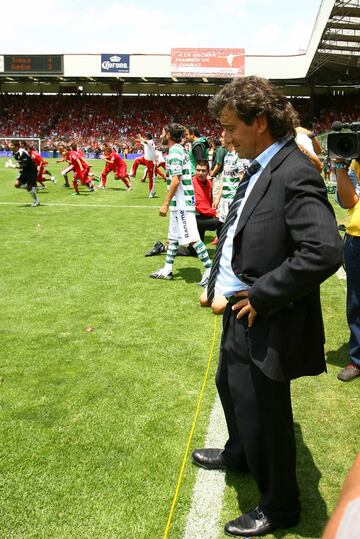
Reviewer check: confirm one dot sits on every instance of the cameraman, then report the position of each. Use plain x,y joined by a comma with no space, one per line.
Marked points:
348,196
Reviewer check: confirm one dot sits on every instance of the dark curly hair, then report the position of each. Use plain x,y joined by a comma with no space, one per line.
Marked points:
251,97
176,131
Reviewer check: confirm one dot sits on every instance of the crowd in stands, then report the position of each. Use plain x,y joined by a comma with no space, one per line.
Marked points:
336,108
93,121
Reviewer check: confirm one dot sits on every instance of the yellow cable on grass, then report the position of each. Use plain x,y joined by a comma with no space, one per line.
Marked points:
166,534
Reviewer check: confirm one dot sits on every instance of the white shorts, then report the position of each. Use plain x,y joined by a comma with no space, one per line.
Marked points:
224,208
183,227
216,185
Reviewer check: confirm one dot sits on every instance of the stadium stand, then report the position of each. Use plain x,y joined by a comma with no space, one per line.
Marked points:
92,121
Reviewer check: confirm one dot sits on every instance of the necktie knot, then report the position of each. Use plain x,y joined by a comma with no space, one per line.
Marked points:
253,168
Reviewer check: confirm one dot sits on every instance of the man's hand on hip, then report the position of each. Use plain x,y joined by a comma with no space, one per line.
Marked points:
244,307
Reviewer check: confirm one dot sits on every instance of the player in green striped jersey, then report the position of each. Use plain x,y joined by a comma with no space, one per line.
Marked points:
233,171
180,199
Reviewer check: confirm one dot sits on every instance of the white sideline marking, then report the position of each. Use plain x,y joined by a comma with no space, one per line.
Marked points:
79,205
341,274
204,515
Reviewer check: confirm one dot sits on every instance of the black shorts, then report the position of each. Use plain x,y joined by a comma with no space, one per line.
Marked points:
28,177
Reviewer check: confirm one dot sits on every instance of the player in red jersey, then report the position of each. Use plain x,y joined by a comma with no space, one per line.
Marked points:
66,170
41,167
115,164
80,168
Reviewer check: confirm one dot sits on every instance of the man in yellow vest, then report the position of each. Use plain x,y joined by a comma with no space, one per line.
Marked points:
348,196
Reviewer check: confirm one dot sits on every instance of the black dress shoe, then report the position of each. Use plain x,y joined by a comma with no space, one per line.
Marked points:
250,524
255,523
211,459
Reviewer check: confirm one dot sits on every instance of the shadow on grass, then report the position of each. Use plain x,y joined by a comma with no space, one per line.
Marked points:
189,275
313,515
339,357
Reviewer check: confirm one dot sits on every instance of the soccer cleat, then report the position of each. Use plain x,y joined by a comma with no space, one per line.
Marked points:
35,203
130,188
131,175
53,179
204,278
152,194
160,274
75,194
158,248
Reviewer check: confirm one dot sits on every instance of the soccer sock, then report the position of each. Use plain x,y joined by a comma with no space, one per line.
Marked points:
75,185
202,253
33,194
170,255
161,174
103,180
151,181
134,168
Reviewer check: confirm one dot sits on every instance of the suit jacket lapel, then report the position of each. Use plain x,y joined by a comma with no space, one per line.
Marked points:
262,183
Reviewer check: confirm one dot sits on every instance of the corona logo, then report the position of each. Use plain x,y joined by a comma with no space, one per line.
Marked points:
115,63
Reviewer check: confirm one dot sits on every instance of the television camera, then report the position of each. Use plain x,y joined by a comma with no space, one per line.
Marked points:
344,144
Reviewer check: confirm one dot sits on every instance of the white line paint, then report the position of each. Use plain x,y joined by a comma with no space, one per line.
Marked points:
340,274
204,515
80,205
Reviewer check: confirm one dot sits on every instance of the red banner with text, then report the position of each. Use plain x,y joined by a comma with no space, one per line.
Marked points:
221,63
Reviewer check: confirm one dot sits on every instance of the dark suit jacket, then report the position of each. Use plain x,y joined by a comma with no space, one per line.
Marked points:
285,245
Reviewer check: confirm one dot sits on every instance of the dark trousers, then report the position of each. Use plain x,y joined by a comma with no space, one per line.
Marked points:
205,223
352,266
260,423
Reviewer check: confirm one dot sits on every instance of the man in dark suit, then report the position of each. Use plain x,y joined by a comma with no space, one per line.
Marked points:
274,252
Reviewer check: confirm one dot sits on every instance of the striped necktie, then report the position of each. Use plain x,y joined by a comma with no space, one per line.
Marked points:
230,218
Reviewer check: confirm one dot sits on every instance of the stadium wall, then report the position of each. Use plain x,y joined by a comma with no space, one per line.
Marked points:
159,65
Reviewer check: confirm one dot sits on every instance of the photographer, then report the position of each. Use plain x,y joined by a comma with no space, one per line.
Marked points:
348,197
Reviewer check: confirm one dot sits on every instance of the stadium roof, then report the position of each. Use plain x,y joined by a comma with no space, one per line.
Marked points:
337,58
332,60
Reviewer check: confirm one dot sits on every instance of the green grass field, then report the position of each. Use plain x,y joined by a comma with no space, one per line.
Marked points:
94,424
